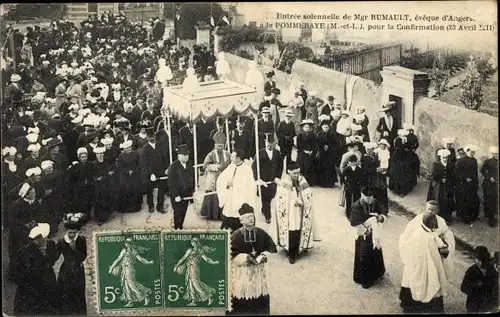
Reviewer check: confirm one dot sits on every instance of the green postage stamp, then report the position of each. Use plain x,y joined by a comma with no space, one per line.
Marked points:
147,270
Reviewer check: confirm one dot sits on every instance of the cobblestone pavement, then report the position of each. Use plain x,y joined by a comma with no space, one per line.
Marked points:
318,283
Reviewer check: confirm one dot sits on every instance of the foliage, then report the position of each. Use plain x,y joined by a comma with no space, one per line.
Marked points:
440,75
28,11
291,52
484,65
245,54
192,13
412,58
233,38
471,86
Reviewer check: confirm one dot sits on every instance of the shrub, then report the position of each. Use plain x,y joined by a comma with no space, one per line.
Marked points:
471,87
440,75
484,66
245,54
234,37
291,52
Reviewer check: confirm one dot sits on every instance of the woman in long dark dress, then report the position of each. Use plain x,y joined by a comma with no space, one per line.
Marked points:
325,142
400,181
352,178
442,185
128,169
306,151
411,145
82,183
71,280
104,189
36,293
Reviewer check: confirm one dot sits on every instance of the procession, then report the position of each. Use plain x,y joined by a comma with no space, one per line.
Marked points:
110,118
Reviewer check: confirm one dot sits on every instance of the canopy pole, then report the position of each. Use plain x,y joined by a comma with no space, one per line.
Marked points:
257,157
169,138
227,136
195,139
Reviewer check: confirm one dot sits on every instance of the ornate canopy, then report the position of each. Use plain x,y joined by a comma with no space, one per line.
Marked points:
211,99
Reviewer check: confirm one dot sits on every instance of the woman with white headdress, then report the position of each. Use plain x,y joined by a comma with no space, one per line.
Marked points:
53,185
33,272
442,185
10,178
222,66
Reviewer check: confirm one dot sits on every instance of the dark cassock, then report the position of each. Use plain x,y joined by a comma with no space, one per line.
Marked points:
367,216
186,137
215,162
325,163
180,185
306,148
71,279
297,226
242,139
128,169
467,186
411,145
352,178
400,168
271,167
489,170
36,292
154,161
53,184
372,176
442,185
265,125
286,133
386,126
204,141
250,247
81,178
104,193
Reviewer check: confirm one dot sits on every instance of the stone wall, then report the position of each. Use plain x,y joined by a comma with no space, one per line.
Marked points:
435,120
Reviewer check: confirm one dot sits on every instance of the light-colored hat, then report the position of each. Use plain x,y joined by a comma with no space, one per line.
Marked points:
383,141
99,150
33,171
47,164
288,113
402,132
32,137
41,229
117,86
369,145
35,130
307,121
77,119
43,55
313,93
219,138
444,153
345,112
10,150
45,62
81,150
73,107
265,110
126,144
408,126
388,106
107,141
356,127
34,147
15,78
493,149
24,190
324,117
115,65
45,141
470,147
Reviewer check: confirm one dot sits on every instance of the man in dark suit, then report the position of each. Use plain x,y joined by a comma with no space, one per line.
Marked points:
271,168
241,139
205,144
186,137
386,126
285,134
328,107
180,185
264,125
154,162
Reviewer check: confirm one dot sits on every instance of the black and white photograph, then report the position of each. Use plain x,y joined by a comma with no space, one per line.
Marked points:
350,149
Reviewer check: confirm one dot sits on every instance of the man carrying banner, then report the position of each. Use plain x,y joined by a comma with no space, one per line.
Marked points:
296,226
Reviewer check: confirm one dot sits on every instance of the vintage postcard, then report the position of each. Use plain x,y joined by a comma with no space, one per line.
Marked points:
249,158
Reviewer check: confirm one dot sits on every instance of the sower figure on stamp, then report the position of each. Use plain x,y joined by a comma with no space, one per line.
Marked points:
271,168
124,266
296,226
250,247
188,265
154,163
180,184
235,187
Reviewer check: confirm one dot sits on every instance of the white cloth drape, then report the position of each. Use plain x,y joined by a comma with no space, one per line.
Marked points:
243,189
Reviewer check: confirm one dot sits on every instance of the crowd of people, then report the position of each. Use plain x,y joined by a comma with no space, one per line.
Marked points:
85,134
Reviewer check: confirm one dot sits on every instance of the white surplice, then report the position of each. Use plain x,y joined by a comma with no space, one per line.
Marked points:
243,189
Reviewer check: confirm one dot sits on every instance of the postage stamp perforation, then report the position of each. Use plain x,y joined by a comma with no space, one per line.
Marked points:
93,274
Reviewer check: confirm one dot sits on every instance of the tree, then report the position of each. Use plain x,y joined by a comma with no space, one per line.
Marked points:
484,66
192,13
471,87
440,75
